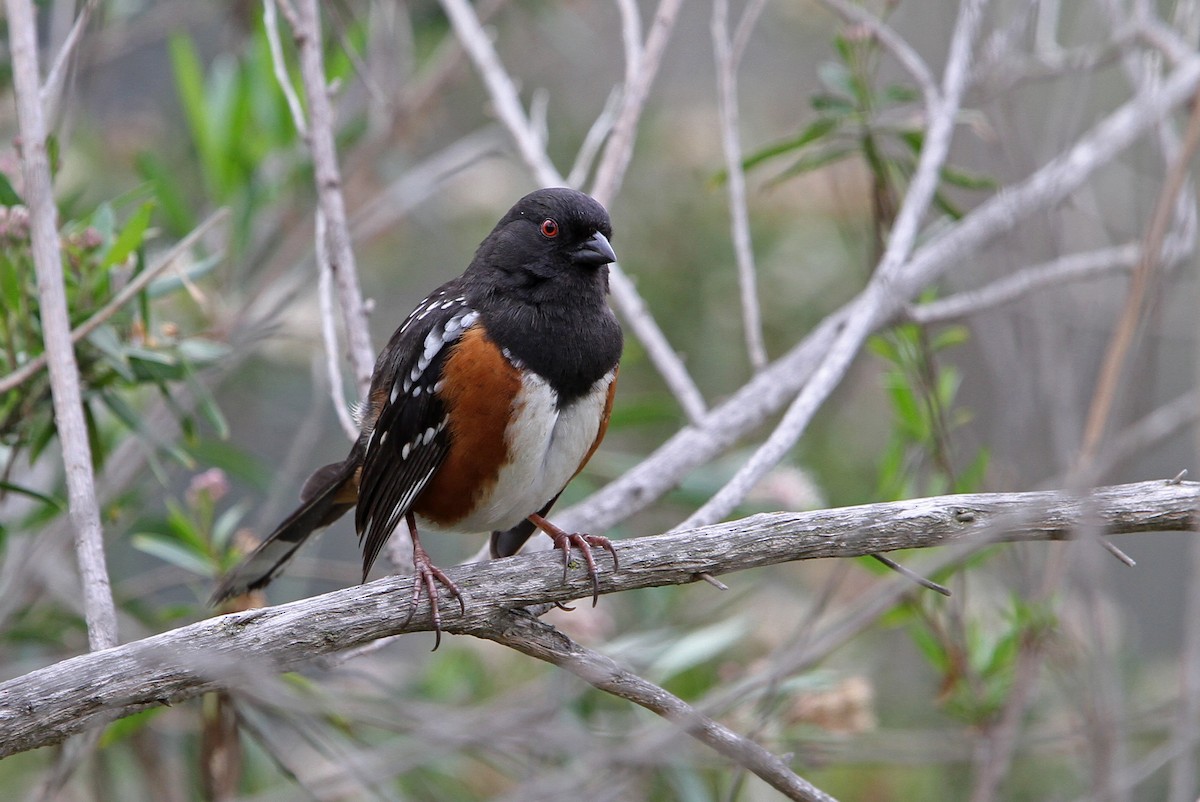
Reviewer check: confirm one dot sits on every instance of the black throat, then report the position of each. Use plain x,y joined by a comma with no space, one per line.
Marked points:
572,342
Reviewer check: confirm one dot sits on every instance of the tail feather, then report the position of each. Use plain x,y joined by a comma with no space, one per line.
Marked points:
323,501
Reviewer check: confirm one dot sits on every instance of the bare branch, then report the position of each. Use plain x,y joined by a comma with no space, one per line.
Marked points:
52,703
56,329
306,28
329,330
727,108
593,140
505,99
765,394
126,294
1144,276
51,93
879,294
1096,264
520,631
279,67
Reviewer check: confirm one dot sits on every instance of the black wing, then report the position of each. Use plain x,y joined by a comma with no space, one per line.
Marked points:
404,426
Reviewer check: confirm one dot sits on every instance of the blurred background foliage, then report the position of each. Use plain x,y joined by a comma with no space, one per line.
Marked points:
207,404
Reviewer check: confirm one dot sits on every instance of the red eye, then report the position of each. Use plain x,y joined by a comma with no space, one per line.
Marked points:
549,228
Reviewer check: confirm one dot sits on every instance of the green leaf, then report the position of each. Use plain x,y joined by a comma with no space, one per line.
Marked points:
173,281
814,161
883,348
950,337
10,284
697,647
173,552
231,459
50,501
8,195
105,340
131,237
813,132
837,78
122,728
897,93
206,403
226,524
832,105
200,351
168,192
151,365
930,647
189,84
967,180
104,220
906,408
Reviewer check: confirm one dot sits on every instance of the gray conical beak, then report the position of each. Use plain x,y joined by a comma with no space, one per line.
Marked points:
596,251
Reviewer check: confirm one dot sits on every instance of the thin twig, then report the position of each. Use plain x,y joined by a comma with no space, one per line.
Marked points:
279,67
329,330
593,140
619,149
506,101
1089,265
306,29
735,182
1144,276
126,294
51,93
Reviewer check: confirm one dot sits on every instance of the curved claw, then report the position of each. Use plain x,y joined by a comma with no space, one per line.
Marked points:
426,574
564,540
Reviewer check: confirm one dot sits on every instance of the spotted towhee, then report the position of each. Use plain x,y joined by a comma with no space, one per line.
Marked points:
489,398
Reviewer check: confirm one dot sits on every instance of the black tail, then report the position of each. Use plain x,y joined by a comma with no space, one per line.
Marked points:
322,503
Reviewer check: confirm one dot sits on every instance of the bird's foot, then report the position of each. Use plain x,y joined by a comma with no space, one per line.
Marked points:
565,540
426,575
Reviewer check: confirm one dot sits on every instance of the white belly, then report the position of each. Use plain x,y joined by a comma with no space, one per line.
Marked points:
547,444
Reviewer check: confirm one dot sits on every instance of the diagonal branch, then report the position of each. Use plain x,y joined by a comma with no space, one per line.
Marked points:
1144,277
520,631
52,703
52,90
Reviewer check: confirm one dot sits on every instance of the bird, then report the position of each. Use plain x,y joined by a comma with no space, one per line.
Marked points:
489,398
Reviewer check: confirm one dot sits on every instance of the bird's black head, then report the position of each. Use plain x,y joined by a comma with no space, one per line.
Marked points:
540,280
552,240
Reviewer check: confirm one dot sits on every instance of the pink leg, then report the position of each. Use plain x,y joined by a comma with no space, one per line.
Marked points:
564,540
427,573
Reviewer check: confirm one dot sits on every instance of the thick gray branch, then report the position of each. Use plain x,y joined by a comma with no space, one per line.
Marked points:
52,703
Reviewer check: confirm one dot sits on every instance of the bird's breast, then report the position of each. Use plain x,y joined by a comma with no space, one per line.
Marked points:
546,443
